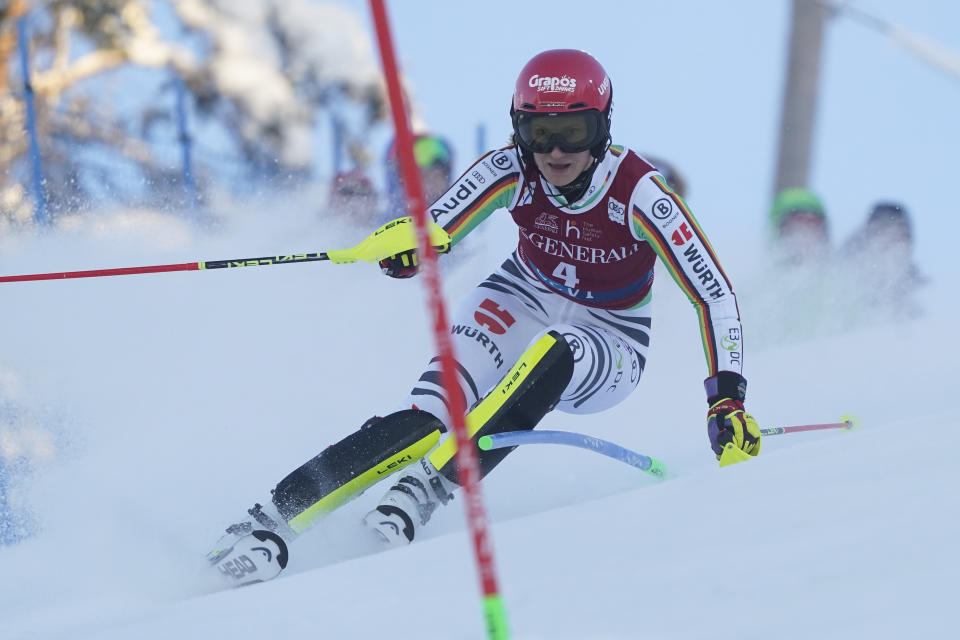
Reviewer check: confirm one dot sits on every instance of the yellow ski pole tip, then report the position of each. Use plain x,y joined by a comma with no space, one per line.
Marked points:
853,422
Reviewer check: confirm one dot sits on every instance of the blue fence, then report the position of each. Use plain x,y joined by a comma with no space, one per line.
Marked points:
41,213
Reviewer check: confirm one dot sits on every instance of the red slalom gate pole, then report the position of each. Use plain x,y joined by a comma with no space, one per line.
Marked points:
466,456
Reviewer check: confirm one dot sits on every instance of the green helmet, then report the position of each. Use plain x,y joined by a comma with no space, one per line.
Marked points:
794,200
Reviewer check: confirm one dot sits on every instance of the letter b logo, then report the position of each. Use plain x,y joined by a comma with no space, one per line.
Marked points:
662,209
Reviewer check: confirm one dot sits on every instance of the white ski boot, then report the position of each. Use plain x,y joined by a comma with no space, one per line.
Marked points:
409,503
254,550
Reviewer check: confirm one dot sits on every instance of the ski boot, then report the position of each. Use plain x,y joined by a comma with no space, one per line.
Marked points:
254,550
409,503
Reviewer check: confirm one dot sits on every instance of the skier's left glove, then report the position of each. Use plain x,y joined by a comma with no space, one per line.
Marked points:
734,433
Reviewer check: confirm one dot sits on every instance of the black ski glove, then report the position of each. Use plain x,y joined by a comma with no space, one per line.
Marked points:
401,265
406,264
727,421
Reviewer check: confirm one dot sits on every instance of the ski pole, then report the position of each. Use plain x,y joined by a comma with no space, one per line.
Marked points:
161,268
847,423
392,238
513,438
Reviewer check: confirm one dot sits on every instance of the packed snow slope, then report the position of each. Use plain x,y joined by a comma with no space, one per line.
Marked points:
155,409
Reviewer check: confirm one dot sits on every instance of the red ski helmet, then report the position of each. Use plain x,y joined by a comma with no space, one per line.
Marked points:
570,85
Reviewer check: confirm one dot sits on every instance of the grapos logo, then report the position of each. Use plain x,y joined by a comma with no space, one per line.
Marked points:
552,83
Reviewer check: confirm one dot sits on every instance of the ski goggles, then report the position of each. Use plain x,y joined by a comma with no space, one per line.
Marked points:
570,132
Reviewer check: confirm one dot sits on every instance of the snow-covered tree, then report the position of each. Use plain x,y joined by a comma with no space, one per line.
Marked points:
260,73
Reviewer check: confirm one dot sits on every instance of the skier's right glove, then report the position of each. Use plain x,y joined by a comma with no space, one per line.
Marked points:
734,433
401,265
398,236
406,264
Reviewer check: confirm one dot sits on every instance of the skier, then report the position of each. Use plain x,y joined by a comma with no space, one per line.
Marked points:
564,323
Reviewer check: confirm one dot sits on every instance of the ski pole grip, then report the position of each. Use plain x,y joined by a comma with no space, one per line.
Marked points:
396,236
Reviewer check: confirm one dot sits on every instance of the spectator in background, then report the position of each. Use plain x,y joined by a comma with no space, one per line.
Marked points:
881,251
434,156
799,225
797,293
353,196
673,177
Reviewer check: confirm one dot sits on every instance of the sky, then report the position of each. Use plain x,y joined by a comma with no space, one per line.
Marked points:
158,408
699,84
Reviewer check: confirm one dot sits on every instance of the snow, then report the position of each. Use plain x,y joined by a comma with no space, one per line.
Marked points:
174,401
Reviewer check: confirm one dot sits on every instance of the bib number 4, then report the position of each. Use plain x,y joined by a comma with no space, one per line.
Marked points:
567,273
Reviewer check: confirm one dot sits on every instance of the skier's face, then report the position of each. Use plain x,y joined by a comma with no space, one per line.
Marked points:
559,168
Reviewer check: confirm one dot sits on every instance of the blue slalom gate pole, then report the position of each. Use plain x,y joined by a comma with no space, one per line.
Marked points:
513,438
183,135
6,516
10,526
481,139
40,214
337,127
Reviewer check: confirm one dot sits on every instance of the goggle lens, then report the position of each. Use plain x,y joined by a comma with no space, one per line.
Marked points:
570,132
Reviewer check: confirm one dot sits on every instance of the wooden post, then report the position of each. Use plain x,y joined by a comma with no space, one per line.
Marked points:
800,94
